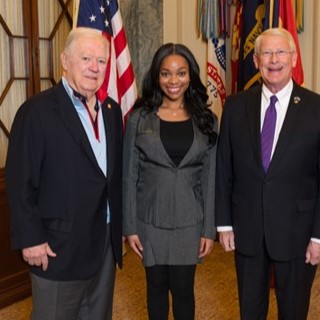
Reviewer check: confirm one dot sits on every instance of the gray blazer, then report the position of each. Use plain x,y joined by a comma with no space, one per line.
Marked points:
157,191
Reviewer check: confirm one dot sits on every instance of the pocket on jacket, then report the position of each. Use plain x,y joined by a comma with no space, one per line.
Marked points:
306,205
58,225
146,202
162,209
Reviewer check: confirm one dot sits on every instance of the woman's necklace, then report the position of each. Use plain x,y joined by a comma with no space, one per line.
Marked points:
174,111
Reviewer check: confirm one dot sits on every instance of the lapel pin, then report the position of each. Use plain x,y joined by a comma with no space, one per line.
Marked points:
296,100
109,106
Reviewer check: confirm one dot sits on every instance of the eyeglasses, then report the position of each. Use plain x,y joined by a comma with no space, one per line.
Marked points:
267,54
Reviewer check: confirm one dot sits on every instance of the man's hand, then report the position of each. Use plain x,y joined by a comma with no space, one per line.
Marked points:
135,244
226,239
38,255
313,253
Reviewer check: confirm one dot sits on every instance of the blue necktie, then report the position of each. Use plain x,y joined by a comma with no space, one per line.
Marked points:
267,133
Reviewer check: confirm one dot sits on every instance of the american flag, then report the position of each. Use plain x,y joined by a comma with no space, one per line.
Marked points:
119,83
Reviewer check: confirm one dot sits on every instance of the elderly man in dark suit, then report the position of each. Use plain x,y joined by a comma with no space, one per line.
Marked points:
268,183
64,187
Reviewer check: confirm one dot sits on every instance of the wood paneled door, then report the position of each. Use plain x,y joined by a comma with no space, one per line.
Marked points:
32,34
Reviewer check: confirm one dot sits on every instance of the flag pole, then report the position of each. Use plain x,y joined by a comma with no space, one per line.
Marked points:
75,13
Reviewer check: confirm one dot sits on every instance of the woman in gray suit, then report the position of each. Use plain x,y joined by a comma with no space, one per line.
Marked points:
169,174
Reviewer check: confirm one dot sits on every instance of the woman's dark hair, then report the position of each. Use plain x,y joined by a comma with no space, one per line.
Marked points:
195,98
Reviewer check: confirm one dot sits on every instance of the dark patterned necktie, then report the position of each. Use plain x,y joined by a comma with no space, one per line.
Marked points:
267,133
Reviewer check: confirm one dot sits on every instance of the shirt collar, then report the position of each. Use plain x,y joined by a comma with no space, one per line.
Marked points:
282,95
70,91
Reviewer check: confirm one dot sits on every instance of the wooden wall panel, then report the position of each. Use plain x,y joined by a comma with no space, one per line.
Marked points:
16,85
14,275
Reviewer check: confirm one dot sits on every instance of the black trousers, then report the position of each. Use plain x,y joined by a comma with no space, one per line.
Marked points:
179,281
293,282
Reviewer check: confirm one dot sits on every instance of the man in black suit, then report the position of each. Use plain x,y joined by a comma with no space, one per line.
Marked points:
268,183
64,187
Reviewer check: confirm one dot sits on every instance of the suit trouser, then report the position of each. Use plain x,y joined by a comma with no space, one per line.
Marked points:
76,300
293,282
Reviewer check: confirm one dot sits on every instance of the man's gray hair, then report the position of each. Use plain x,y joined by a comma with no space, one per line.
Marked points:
281,32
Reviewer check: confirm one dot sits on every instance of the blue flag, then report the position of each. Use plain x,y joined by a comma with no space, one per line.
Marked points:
252,26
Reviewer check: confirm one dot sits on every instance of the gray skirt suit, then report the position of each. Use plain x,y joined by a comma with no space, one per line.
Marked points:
169,206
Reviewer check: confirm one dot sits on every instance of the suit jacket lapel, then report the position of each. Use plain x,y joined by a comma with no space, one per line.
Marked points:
253,107
288,126
68,115
199,141
153,121
109,124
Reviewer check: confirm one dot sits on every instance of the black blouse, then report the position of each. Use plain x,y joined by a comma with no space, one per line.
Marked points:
177,138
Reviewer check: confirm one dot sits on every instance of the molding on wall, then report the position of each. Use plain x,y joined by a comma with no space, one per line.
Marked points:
16,287
179,18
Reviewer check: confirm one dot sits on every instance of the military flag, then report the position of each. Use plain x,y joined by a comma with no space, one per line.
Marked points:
213,17
252,17
253,13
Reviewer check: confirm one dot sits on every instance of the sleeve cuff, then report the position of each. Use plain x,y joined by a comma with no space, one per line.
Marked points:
316,240
224,228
